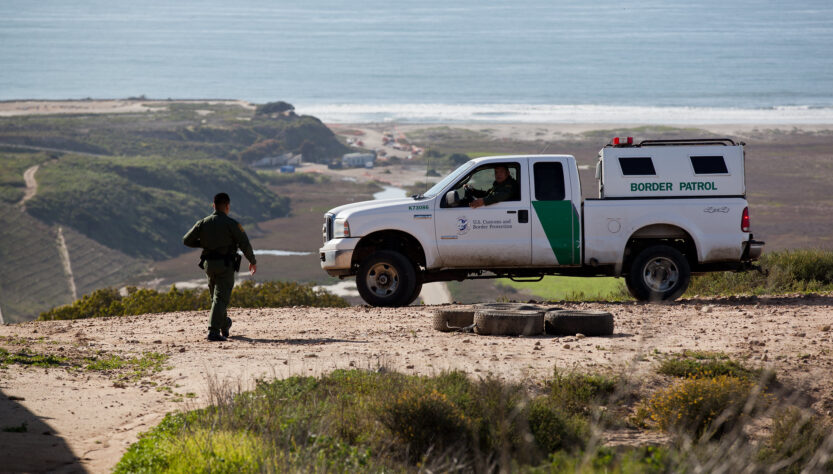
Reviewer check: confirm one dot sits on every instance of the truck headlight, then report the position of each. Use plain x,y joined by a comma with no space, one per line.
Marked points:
341,228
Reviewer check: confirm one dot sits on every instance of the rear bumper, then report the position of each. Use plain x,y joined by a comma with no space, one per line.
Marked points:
752,249
337,256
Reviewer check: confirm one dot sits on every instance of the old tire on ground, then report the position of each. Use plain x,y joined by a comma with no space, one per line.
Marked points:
386,278
569,323
446,320
507,307
509,323
658,273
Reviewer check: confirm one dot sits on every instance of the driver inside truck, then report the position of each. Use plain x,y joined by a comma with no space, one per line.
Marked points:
505,188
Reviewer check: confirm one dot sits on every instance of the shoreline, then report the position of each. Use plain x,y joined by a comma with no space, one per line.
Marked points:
29,107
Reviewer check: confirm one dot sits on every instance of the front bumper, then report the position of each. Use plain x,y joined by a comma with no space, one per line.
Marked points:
337,256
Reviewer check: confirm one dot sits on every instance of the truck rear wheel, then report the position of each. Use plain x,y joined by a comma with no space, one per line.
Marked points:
386,278
658,273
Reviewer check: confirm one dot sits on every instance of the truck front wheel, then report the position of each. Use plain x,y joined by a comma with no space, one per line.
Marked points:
386,278
658,273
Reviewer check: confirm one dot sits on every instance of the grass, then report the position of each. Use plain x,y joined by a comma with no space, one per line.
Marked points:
26,357
110,302
128,368
21,428
372,421
697,363
782,272
557,288
382,421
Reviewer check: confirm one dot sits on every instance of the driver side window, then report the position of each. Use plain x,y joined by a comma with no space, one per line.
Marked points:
479,182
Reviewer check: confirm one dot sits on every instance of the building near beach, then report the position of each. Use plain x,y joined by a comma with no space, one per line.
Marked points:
358,160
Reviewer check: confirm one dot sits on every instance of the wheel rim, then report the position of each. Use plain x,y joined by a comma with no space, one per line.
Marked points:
661,274
383,279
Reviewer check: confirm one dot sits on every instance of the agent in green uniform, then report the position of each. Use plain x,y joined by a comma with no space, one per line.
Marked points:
220,236
504,188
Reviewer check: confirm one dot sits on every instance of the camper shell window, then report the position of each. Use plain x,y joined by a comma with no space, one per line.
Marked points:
637,166
709,165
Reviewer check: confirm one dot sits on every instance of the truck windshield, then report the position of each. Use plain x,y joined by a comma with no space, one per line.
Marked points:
437,188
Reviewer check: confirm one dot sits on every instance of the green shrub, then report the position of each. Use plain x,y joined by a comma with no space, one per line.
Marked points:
700,406
698,363
796,438
367,421
109,302
787,271
425,419
578,393
553,428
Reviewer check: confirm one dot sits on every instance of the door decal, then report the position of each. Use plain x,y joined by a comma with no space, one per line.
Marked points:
561,224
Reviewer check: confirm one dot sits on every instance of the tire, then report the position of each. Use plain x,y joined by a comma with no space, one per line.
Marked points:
509,323
570,323
658,273
507,307
417,291
386,278
447,320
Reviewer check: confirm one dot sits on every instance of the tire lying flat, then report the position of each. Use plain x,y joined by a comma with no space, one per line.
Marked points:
509,323
447,320
508,307
570,323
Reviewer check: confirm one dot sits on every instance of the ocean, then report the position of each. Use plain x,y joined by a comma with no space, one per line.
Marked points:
656,61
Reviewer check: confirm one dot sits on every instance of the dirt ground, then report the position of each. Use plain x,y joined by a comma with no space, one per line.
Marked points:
84,420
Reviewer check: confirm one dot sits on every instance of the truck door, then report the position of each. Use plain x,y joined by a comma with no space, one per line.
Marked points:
555,223
492,236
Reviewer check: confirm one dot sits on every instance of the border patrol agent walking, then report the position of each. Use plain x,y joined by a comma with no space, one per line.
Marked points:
220,236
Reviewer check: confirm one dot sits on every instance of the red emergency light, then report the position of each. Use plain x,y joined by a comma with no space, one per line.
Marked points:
622,141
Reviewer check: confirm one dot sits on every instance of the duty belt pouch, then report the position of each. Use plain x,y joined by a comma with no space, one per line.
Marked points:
237,259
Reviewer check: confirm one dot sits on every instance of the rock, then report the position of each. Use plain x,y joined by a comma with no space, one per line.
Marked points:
566,346
580,336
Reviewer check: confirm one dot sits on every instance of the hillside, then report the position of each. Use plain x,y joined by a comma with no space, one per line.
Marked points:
176,130
143,206
105,194
37,278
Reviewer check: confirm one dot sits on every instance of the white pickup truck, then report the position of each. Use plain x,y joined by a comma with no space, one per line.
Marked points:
666,209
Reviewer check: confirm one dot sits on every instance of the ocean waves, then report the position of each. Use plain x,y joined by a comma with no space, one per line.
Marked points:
567,114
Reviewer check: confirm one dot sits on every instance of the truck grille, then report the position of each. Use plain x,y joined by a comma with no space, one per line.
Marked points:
328,227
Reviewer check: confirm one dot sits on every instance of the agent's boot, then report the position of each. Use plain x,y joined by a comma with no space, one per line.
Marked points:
215,336
228,326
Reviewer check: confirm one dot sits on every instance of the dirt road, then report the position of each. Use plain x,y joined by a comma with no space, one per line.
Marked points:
92,418
31,184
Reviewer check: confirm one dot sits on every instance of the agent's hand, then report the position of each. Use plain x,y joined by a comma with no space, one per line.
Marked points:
477,203
252,268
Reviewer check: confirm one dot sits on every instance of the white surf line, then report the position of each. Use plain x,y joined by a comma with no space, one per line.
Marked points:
31,184
62,249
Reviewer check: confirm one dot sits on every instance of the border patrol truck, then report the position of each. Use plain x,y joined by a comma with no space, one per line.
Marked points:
665,209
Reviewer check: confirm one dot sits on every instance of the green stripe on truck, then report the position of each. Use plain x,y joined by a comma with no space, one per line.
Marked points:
561,224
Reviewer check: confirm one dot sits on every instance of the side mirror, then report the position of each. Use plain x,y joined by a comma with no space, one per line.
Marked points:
451,198
599,169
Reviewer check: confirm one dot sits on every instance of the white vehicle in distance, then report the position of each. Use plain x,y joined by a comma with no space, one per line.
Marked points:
666,209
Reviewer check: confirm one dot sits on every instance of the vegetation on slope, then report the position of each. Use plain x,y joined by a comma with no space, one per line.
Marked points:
382,421
110,302
143,206
180,130
782,272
